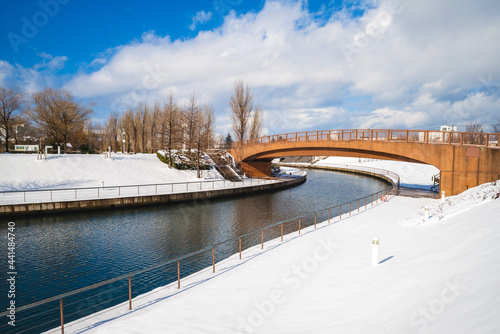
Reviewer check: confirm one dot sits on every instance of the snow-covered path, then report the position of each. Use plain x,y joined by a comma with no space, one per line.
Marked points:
434,277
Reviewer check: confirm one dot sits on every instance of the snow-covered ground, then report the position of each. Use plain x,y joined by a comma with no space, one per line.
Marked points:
436,276
25,172
412,175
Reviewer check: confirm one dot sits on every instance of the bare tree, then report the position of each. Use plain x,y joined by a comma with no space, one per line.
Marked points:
58,116
257,123
171,125
208,126
155,121
127,123
112,130
496,127
241,104
476,130
11,103
191,120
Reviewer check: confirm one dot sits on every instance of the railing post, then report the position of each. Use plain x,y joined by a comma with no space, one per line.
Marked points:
328,216
51,195
299,226
340,210
262,239
240,247
130,292
178,275
75,194
355,135
281,232
62,315
24,194
461,139
388,134
358,205
315,220
486,140
342,136
371,135
156,189
365,202
138,190
213,259
371,200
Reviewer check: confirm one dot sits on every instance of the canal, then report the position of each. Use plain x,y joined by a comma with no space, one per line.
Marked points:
60,253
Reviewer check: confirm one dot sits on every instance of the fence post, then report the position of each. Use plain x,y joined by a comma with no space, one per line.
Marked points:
62,315
328,216
365,203
213,258
178,275
315,220
281,232
340,210
75,193
119,192
240,247
299,226
371,200
24,193
262,239
130,292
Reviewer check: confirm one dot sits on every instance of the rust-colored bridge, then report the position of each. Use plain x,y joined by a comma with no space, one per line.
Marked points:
464,159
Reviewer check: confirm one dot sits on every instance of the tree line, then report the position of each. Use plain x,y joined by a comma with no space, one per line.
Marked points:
54,117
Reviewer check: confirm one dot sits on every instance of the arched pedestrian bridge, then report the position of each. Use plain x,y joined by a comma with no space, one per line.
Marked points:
464,159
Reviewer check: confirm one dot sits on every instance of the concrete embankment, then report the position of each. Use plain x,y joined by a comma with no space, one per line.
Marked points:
66,206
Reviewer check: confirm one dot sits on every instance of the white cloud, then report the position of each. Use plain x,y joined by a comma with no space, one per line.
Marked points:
200,17
401,64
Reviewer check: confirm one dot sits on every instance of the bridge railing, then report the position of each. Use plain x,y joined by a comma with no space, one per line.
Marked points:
486,140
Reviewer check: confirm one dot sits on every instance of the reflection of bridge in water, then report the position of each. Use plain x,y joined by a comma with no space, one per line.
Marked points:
464,159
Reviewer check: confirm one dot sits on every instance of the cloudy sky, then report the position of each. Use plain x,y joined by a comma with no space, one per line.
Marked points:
312,65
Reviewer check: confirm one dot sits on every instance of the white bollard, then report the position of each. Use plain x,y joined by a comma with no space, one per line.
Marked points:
375,244
442,196
426,214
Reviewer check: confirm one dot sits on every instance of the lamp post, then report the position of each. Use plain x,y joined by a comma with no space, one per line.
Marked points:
123,141
16,128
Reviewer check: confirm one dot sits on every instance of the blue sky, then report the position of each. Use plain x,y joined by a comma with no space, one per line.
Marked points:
310,64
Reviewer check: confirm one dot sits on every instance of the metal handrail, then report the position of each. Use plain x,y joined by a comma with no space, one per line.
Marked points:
396,178
390,135
54,192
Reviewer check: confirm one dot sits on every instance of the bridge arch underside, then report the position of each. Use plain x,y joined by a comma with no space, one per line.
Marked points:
461,167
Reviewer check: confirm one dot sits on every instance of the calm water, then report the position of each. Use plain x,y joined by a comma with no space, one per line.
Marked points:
60,253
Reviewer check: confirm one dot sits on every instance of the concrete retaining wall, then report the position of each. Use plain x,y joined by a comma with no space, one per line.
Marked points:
53,207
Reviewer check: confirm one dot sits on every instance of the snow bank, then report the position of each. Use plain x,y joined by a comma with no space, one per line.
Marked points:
455,205
24,172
